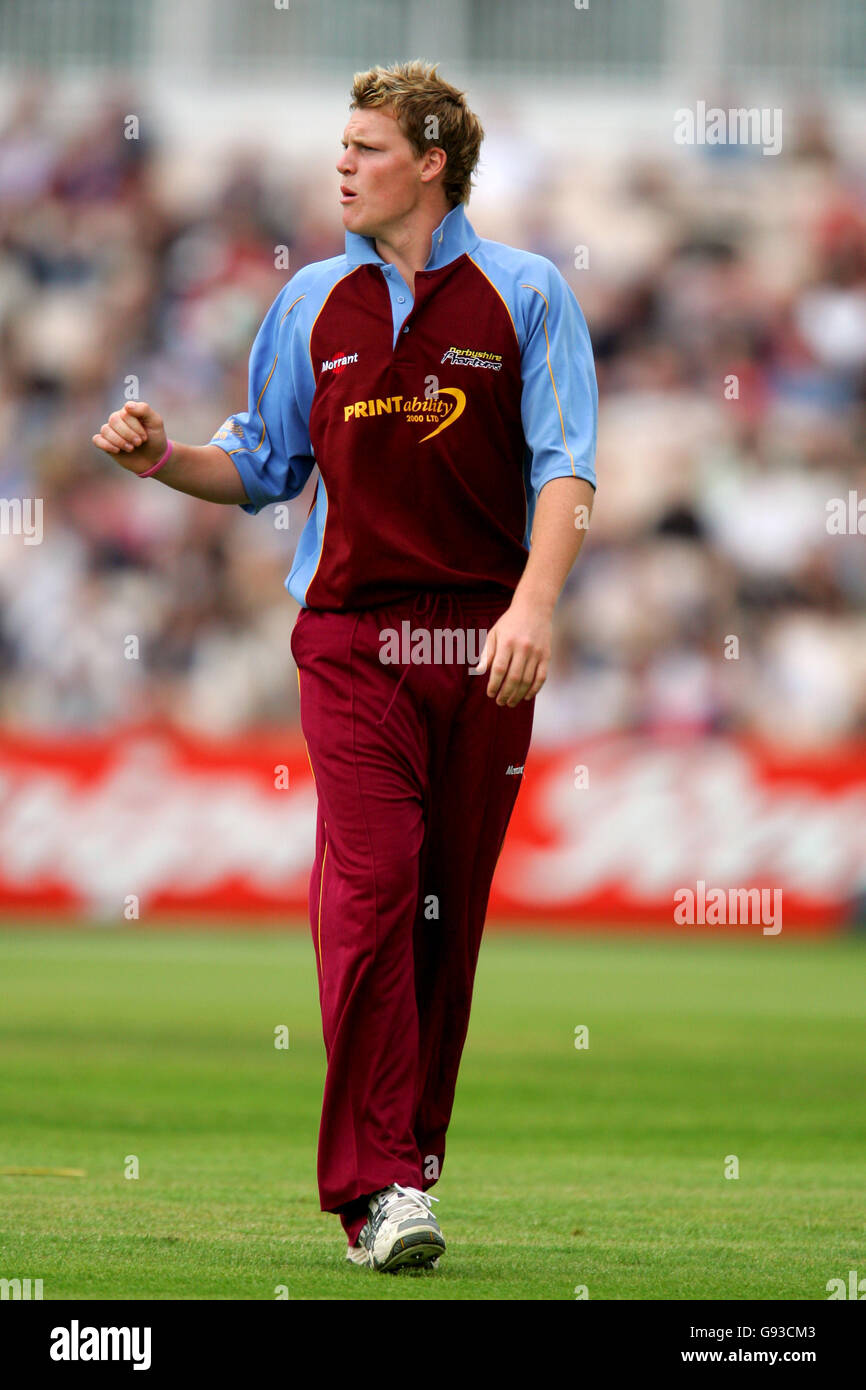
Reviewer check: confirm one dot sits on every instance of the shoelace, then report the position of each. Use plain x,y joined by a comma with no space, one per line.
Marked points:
407,1201
416,1192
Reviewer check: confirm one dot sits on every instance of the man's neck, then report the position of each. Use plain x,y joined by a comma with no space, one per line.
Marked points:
408,246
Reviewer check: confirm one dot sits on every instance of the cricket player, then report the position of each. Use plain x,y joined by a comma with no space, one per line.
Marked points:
443,386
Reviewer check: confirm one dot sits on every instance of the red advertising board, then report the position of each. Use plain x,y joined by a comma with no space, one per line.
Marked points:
148,823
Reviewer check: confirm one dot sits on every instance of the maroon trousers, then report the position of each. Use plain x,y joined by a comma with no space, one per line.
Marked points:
417,770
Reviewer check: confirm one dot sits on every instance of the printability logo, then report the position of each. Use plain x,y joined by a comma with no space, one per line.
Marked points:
473,357
414,411
76,1343
339,362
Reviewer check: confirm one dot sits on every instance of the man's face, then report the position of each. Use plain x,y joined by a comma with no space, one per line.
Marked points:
380,175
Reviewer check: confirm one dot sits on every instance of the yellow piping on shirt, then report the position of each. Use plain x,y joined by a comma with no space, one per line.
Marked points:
264,389
493,287
324,302
552,380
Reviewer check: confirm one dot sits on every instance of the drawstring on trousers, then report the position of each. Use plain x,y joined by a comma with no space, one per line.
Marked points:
425,606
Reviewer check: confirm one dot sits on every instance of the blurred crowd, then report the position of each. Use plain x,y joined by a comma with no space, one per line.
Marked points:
726,299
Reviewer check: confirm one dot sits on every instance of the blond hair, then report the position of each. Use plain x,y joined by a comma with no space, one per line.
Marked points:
416,93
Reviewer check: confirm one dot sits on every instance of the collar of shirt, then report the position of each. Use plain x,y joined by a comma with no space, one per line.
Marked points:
454,235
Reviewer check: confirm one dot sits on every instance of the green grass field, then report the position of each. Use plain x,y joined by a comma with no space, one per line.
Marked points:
601,1167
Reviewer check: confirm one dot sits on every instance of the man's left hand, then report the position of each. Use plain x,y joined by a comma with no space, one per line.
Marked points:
517,652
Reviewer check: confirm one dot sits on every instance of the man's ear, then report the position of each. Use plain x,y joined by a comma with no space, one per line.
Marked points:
435,167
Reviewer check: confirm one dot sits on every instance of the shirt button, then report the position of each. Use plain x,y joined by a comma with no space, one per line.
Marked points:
401,299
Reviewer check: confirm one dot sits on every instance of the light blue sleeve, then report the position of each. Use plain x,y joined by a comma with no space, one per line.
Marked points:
559,403
269,442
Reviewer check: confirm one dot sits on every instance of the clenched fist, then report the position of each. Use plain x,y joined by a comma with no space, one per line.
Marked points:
136,434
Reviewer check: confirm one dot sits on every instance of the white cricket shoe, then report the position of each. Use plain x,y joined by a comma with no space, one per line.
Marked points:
402,1229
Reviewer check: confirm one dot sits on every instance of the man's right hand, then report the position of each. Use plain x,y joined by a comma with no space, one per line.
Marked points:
136,434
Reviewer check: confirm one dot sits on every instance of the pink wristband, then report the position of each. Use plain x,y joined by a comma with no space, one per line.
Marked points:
148,472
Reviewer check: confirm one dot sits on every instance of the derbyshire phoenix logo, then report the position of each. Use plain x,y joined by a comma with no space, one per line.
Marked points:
473,357
433,410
